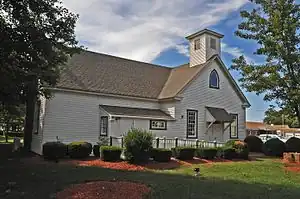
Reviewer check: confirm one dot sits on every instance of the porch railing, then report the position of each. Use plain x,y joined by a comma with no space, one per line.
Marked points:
168,143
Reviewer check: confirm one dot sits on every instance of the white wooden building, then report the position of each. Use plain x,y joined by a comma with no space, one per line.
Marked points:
103,95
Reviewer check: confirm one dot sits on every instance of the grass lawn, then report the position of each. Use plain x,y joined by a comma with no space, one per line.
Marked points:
2,139
10,139
239,180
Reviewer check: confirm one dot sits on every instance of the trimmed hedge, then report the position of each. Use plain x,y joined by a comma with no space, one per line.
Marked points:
207,153
54,150
293,145
254,143
79,150
228,153
138,145
110,153
183,153
161,155
96,150
274,147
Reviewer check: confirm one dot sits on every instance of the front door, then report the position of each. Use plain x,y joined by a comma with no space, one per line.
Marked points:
215,132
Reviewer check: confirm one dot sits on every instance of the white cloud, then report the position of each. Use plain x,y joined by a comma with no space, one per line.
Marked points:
183,49
235,52
141,30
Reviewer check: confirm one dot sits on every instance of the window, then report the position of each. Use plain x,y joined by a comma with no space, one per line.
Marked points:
103,125
192,124
197,44
234,127
214,79
158,125
213,43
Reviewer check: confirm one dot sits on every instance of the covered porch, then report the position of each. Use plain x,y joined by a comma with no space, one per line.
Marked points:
218,122
117,120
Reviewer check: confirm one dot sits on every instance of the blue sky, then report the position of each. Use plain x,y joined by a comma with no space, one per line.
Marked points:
154,31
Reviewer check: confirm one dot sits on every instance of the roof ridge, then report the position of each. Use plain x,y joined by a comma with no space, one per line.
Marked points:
114,56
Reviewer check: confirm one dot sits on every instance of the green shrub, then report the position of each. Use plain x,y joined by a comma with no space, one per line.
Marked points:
161,155
293,145
138,145
274,147
183,153
79,150
110,153
103,141
96,150
254,143
54,150
228,153
207,153
240,147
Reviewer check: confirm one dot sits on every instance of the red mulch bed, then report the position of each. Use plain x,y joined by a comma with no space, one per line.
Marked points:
173,164
105,190
292,167
111,165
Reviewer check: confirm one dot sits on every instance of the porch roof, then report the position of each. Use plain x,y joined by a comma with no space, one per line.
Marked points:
143,113
220,114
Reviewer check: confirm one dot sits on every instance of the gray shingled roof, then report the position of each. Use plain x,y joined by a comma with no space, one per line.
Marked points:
220,114
101,73
136,112
95,72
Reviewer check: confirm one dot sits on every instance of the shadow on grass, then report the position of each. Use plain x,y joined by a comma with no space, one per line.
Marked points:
43,181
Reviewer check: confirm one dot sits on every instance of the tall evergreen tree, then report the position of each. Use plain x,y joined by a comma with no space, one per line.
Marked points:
37,37
274,25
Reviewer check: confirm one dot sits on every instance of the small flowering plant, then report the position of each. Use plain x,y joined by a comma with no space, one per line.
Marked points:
240,147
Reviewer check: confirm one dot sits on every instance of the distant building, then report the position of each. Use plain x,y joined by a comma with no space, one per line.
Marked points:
257,128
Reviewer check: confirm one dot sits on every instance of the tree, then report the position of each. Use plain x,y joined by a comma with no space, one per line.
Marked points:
11,116
274,25
279,117
37,38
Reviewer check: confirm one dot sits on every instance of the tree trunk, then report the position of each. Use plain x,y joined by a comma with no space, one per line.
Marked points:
30,106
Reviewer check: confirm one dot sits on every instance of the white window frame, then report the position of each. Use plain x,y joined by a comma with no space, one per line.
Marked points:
218,79
236,120
192,123
213,43
158,125
103,125
197,44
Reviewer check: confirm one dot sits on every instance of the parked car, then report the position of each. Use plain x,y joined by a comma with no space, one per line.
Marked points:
266,137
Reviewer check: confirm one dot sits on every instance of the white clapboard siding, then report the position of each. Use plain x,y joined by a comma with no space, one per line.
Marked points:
168,107
198,56
74,117
198,95
37,139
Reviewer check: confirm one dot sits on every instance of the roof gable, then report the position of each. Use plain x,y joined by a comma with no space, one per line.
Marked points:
227,74
100,73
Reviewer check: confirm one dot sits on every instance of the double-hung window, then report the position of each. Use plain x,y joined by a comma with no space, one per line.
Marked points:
192,123
103,126
234,127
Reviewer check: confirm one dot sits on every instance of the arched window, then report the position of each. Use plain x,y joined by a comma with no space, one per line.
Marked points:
214,79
